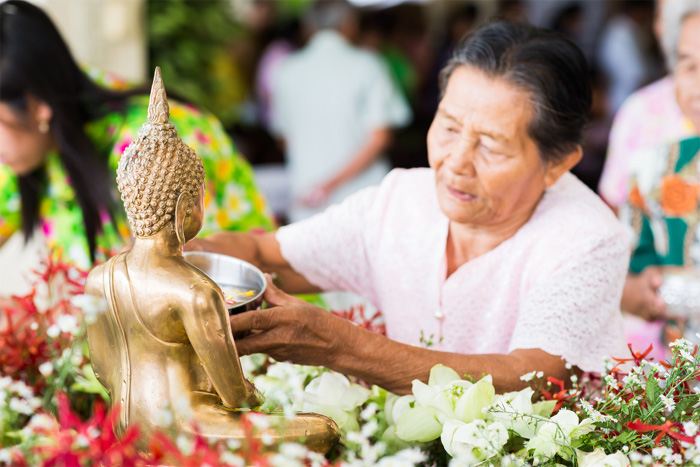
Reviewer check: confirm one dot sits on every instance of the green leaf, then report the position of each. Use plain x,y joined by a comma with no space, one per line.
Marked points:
653,391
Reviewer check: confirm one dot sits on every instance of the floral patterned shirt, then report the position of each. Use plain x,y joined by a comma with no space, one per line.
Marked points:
649,117
662,207
232,200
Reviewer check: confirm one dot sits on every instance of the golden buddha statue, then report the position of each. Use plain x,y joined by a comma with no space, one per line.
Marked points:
166,339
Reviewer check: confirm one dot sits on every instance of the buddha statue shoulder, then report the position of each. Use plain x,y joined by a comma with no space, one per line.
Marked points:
166,341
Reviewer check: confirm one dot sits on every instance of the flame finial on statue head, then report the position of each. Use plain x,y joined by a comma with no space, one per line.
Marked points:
156,168
158,108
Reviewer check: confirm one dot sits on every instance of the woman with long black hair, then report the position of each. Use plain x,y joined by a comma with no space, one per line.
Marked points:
61,136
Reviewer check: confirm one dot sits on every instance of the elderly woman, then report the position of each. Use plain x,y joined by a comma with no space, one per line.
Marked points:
662,206
496,254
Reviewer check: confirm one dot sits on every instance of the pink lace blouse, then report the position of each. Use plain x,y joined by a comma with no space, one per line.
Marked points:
555,285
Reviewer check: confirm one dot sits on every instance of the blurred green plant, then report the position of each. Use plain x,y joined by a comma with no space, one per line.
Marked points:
190,40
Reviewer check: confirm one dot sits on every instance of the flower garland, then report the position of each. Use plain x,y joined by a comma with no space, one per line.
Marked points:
53,409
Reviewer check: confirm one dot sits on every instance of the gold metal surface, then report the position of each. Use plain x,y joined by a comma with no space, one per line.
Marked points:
166,341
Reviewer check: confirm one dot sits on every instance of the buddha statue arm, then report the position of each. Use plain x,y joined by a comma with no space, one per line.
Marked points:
209,332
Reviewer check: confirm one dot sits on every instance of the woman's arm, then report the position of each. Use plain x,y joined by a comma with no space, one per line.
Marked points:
263,251
297,331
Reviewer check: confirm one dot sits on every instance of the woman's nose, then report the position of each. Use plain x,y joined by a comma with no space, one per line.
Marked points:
461,159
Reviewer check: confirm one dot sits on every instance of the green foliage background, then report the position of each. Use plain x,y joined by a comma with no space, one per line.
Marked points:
188,40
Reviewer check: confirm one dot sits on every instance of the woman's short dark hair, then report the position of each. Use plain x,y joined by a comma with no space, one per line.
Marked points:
544,63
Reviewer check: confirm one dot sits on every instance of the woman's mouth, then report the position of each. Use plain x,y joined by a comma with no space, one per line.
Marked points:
460,195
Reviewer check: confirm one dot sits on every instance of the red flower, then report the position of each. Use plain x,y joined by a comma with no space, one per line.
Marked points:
664,430
636,356
356,315
92,442
562,396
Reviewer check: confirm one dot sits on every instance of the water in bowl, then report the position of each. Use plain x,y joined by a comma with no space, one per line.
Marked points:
236,295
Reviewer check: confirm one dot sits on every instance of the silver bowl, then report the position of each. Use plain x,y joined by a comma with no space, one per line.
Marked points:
230,272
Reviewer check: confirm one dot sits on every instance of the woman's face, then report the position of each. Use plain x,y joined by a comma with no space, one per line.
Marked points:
687,71
23,146
487,168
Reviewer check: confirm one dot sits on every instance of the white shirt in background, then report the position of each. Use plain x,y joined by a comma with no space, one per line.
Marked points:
326,101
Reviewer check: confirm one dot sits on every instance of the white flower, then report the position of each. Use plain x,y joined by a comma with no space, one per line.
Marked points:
90,305
690,428
21,389
661,451
475,441
46,369
404,458
669,403
231,459
515,410
20,406
53,331
528,376
164,417
559,432
293,450
370,428
185,444
598,458
182,408
259,421
233,444
5,456
68,324
687,355
369,411
445,397
332,395
681,343
42,422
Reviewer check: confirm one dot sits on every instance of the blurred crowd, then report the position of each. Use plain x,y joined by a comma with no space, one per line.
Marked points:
414,40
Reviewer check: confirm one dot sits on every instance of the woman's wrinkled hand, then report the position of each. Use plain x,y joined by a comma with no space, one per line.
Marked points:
292,330
640,295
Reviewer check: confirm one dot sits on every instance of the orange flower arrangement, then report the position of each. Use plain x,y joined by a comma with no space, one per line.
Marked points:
677,196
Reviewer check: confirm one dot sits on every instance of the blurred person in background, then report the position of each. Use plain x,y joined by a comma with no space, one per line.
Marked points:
662,208
61,136
649,117
334,105
624,51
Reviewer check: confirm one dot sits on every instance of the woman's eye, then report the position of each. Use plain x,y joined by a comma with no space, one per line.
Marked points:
485,150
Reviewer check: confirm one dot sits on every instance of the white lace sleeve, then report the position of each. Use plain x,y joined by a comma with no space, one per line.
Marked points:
574,311
329,249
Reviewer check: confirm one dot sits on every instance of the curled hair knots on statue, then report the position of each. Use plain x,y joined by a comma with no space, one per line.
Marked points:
156,169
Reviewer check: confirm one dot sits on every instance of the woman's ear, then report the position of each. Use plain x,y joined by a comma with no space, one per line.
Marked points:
561,166
39,110
181,207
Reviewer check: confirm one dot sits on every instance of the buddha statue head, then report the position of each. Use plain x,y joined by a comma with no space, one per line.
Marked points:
161,178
